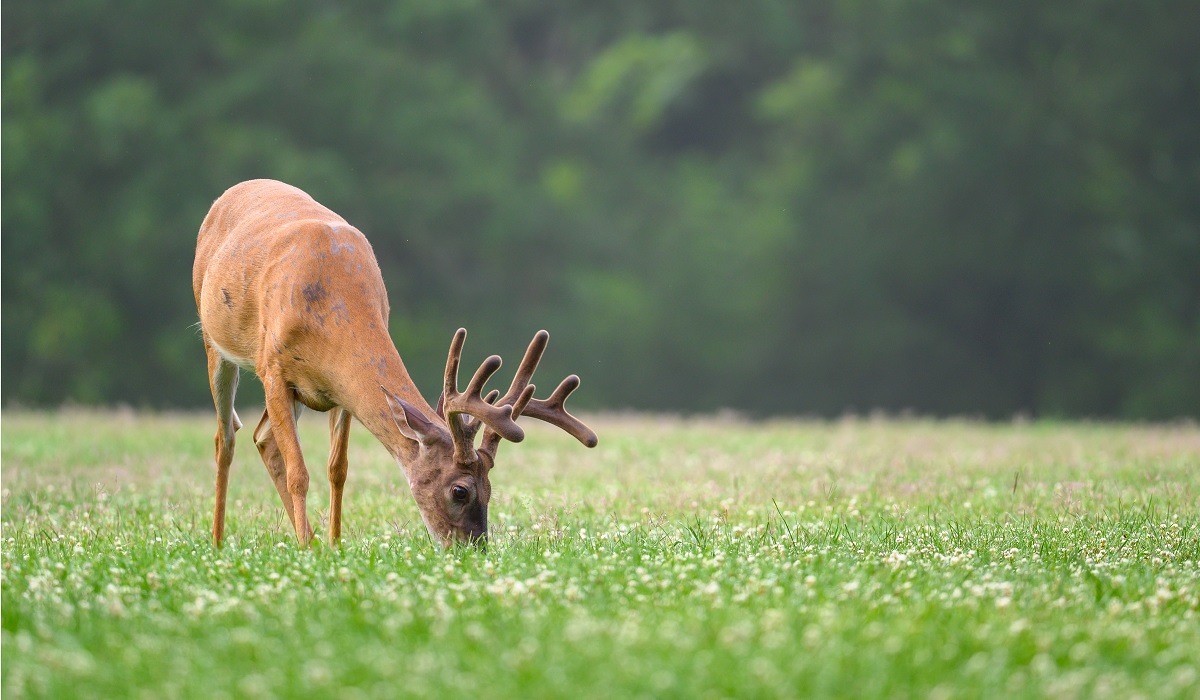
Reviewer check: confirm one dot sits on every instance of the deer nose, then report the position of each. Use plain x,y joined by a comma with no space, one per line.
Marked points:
466,538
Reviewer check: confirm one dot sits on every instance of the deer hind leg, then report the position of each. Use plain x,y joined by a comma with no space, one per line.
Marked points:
339,440
223,380
282,408
268,449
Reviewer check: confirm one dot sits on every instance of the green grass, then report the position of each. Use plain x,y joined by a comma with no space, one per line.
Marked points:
689,559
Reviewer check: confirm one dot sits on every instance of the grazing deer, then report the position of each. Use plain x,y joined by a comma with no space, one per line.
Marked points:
287,288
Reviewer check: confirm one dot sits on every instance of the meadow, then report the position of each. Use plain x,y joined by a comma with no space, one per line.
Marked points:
690,558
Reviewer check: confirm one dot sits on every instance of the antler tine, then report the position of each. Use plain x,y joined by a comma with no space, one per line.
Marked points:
520,391
553,411
470,403
523,399
529,363
450,379
470,422
550,409
484,373
491,439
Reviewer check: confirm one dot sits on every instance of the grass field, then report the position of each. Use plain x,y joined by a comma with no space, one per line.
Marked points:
690,559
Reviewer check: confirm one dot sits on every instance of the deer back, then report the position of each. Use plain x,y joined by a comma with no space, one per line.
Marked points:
281,280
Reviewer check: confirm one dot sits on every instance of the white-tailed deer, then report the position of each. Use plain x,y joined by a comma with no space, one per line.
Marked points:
287,288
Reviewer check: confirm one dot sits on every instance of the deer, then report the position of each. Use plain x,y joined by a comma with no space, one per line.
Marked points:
288,289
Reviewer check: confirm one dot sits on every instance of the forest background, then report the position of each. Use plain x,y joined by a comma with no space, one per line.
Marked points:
771,206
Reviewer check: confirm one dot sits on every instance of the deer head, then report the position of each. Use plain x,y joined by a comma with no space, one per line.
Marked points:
448,474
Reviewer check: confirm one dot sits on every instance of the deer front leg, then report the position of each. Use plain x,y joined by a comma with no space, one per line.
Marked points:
268,449
339,439
223,380
282,417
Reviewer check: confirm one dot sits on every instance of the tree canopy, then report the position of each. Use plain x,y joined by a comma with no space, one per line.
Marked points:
771,206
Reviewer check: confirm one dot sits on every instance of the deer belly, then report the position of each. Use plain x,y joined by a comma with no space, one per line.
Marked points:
243,362
316,400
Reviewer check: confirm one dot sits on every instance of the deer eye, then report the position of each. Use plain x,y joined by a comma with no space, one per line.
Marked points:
460,494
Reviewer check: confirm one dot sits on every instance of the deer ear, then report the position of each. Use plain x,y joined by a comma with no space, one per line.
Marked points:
441,407
411,423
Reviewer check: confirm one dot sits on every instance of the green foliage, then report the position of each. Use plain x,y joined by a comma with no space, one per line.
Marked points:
850,559
650,73
767,206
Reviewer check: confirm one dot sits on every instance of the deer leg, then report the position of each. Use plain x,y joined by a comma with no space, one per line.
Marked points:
281,413
339,440
264,440
223,380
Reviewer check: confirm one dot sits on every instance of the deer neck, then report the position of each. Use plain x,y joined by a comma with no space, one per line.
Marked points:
379,366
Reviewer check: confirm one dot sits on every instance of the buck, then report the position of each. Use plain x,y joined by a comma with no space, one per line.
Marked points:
287,288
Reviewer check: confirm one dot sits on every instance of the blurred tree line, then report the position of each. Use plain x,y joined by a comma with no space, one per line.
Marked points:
769,205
